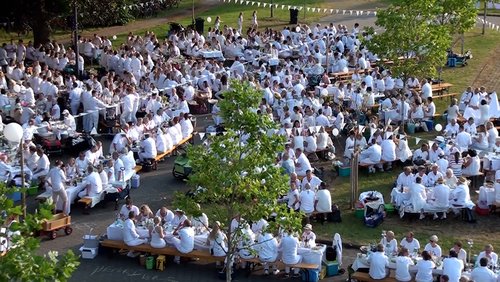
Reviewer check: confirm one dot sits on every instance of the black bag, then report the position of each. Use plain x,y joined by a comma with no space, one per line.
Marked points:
331,253
334,216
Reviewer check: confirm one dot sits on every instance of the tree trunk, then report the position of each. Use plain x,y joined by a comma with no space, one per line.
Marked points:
41,32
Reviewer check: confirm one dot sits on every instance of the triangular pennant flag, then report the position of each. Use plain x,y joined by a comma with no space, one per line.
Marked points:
401,136
253,3
331,11
368,13
375,13
142,4
282,7
258,4
311,128
357,13
247,2
417,140
265,4
350,12
202,134
295,7
289,7
318,128
212,133
224,132
314,10
498,27
93,131
337,11
308,9
431,143
288,131
300,8
343,12
361,128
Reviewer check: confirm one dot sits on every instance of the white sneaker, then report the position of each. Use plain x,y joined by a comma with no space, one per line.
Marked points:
266,272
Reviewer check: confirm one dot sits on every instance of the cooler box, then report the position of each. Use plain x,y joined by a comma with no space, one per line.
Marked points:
344,171
410,127
16,196
332,268
310,275
135,181
90,241
359,213
452,62
88,253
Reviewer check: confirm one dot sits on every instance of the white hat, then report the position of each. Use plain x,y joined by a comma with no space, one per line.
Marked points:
434,238
65,112
308,227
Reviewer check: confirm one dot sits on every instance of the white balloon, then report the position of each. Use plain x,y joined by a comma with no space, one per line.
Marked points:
209,19
13,132
335,132
114,37
17,88
438,127
297,29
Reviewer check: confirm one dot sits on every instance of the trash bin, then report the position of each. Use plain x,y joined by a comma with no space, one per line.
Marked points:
294,16
199,25
150,262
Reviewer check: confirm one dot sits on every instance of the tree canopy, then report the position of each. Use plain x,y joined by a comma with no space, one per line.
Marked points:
22,262
237,171
417,33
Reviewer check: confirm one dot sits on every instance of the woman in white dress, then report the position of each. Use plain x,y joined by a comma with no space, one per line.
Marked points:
310,142
484,112
157,235
255,25
453,111
480,142
217,241
472,164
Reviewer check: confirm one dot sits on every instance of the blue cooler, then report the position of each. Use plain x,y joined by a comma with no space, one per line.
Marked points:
410,127
452,62
310,275
135,181
345,171
332,268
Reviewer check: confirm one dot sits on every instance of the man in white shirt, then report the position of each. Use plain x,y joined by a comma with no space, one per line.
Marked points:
433,176
489,254
426,89
302,164
93,185
371,156
378,263
452,128
463,139
185,242
420,156
453,267
307,199
69,120
405,178
312,180
388,151
289,246
42,166
130,235
410,243
440,201
483,273
186,126
267,248
148,146
57,178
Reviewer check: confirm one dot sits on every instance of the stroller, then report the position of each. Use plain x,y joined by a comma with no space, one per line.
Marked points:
182,167
374,207
455,60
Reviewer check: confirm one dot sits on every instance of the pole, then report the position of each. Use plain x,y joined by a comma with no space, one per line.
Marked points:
22,178
272,9
75,39
192,12
484,18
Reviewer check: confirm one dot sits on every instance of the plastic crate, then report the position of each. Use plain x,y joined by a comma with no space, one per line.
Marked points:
389,208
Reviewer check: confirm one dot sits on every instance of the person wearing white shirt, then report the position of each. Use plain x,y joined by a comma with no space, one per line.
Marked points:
323,203
307,199
433,176
442,164
462,254
426,89
57,178
69,120
267,248
42,165
483,273
470,127
308,237
93,184
424,268
371,156
420,156
75,98
293,197
217,241
460,197
378,263
489,254
405,178
302,164
453,267
128,159
440,201
403,263
388,151
185,242
186,126
312,180
452,128
463,139
148,147
432,247
289,246
130,235
166,215
390,244
410,243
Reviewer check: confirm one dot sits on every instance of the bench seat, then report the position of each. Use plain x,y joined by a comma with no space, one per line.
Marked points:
365,277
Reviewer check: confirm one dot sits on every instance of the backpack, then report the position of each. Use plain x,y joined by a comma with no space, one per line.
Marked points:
331,253
334,216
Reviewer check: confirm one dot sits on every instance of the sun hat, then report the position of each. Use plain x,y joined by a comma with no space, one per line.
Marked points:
434,238
308,227
462,179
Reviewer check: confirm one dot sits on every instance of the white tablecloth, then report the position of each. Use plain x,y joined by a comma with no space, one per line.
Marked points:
115,231
314,255
491,162
211,54
390,114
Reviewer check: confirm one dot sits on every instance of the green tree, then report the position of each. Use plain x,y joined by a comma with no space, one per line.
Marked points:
417,33
237,170
22,263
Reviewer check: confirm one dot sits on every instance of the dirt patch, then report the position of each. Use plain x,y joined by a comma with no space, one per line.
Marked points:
489,75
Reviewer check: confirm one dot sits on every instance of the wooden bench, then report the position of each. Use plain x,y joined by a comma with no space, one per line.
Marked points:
87,202
365,277
168,251
474,179
137,168
280,264
164,154
451,95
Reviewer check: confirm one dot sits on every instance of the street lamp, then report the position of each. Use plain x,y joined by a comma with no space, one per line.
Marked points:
13,132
